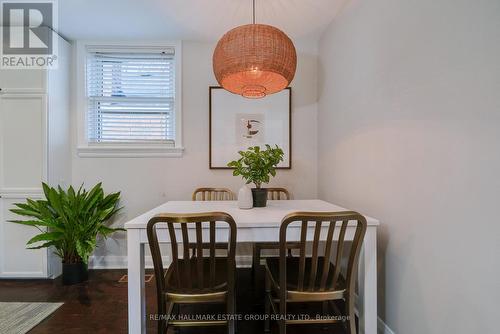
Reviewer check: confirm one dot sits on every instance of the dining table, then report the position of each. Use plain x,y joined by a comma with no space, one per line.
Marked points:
253,225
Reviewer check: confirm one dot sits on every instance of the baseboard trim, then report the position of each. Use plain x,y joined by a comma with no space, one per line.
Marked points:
383,328
117,262
120,262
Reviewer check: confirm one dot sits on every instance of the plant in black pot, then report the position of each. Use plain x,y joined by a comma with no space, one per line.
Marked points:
257,166
70,222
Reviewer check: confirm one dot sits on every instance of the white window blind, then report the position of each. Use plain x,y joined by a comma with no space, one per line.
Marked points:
131,96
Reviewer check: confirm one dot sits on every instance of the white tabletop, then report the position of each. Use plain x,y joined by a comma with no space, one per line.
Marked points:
269,216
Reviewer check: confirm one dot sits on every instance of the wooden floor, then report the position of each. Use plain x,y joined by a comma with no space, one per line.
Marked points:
100,305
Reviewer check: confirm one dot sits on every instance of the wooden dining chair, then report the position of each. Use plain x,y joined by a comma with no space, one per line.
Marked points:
307,279
197,278
258,247
213,194
277,194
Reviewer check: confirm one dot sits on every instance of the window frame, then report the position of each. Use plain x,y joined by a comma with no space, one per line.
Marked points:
125,150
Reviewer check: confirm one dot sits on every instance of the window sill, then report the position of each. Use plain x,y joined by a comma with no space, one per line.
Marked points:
129,151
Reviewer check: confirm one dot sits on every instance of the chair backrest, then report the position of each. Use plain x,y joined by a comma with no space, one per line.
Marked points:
277,194
179,227
213,194
320,279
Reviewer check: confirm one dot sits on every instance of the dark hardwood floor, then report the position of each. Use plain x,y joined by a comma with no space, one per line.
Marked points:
100,305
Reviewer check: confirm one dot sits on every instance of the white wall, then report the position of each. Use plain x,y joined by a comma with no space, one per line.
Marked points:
409,132
147,182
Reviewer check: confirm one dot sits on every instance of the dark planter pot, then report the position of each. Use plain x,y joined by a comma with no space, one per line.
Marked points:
259,197
74,273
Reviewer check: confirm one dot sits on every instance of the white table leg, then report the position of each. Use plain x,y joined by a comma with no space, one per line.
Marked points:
367,302
136,287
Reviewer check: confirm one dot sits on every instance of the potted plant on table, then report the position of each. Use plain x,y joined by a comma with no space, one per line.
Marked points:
257,166
70,222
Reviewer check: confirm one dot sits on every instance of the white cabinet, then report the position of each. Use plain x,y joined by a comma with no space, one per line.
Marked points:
23,81
34,148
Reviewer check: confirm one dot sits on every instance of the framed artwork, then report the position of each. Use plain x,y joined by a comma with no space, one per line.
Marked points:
237,123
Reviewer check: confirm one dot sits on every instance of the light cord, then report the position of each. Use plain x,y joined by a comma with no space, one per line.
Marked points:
253,11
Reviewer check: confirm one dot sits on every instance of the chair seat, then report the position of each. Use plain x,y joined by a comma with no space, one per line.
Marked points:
184,278
292,273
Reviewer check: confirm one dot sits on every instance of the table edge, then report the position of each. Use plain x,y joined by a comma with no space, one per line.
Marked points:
130,225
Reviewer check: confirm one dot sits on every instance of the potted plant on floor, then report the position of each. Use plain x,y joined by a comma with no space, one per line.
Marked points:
70,222
257,166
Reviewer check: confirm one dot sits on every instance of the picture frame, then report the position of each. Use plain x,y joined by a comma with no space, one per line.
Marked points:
236,123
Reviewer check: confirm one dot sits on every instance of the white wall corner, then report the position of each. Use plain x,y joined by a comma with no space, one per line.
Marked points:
383,328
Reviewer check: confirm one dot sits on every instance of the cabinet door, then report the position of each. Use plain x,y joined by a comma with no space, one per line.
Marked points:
23,142
23,81
23,164
15,260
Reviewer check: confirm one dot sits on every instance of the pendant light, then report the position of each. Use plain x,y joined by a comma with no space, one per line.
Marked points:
254,60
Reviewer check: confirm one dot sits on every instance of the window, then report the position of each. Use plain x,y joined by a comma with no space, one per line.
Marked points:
131,100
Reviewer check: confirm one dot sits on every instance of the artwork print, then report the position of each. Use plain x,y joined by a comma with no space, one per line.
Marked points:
237,123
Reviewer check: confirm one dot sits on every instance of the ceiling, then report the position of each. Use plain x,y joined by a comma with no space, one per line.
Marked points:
204,20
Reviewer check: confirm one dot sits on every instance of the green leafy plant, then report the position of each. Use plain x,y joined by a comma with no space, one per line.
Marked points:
70,221
257,165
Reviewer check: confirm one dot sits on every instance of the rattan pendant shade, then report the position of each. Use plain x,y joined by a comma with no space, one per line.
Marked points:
254,60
